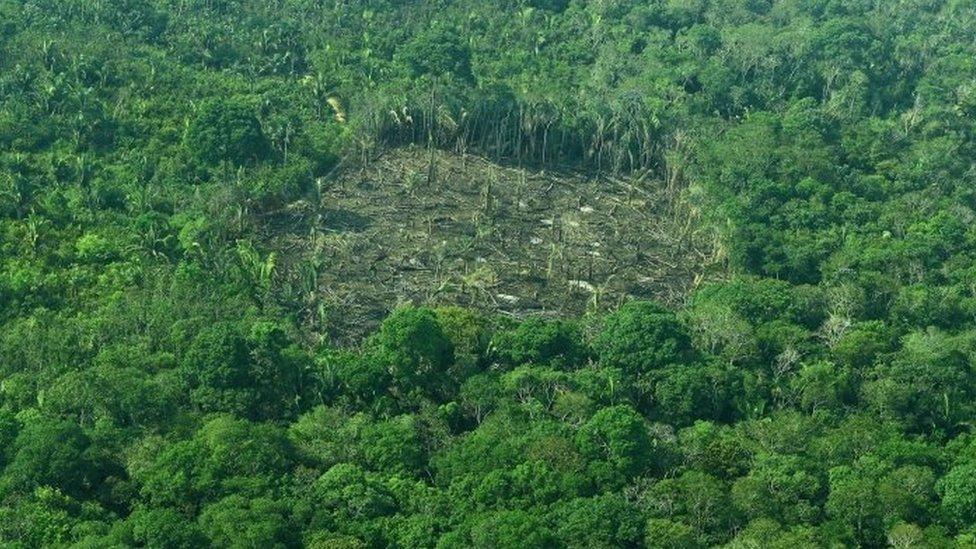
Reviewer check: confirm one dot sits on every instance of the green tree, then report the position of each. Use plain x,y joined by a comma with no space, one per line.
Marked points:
438,52
413,349
258,375
685,393
511,530
346,500
768,533
695,499
642,336
779,488
47,517
50,452
216,368
616,443
538,341
165,528
240,522
226,456
603,521
927,384
226,130
958,491
393,446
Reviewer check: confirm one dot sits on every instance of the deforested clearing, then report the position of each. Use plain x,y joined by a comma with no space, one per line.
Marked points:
408,227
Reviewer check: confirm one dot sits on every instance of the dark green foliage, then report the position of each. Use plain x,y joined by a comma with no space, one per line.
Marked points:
603,521
928,384
176,364
541,342
412,350
438,52
258,376
616,442
641,337
226,130
216,369
160,527
682,394
236,521
50,452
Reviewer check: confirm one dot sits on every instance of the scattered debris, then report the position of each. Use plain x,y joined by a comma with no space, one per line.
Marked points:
487,236
582,285
510,299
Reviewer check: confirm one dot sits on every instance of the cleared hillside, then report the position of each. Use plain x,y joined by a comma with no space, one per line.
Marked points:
463,230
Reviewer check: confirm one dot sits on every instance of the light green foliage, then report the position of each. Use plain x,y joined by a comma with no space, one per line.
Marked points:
160,527
871,497
47,517
239,522
347,501
822,386
695,499
667,534
511,530
958,491
768,533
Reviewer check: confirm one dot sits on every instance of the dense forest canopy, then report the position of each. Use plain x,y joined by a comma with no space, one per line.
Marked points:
169,377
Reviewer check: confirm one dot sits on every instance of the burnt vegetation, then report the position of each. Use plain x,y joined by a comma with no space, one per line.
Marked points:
496,274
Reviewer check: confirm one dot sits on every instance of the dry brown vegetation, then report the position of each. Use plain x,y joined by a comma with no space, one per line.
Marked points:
442,228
